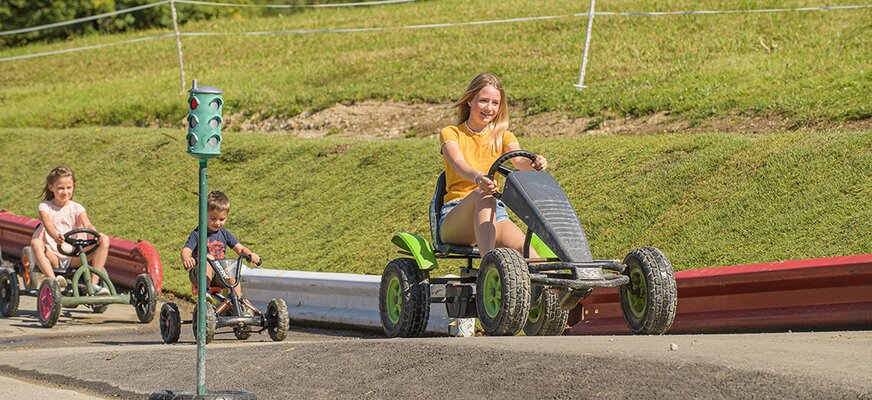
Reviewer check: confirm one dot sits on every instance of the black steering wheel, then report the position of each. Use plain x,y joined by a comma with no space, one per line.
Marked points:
79,244
505,171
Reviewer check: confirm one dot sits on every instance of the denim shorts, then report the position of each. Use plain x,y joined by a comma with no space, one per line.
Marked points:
447,207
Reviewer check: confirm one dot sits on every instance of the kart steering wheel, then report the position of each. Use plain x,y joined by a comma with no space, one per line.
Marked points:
505,171
79,244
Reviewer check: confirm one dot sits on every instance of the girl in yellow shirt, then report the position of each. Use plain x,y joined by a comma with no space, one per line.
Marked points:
471,214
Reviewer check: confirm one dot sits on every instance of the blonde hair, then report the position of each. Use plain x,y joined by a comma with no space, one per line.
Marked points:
218,201
500,124
61,171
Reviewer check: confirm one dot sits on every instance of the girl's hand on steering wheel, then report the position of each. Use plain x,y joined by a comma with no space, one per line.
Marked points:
540,163
484,183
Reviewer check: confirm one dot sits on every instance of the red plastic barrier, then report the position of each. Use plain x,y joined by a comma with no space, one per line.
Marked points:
126,259
821,293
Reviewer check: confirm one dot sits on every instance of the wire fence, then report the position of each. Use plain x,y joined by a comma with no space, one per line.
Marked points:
588,15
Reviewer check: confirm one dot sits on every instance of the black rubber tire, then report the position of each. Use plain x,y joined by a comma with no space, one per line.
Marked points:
414,302
514,306
144,298
9,293
655,316
48,314
209,395
211,323
242,332
551,319
277,319
170,323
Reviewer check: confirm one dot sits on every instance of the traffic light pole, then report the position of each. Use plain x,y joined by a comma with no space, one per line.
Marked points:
201,281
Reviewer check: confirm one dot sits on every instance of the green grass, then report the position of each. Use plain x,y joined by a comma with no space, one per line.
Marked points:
807,67
333,204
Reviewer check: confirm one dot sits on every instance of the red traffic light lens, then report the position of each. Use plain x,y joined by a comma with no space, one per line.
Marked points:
194,103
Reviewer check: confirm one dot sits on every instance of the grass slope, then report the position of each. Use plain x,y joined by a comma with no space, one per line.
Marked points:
332,205
807,67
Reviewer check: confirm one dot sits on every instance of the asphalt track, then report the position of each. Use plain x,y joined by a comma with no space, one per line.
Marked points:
112,356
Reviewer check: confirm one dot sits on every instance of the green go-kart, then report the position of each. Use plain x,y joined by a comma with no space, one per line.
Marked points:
79,290
510,291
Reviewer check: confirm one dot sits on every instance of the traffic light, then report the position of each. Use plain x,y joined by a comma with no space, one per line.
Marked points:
204,121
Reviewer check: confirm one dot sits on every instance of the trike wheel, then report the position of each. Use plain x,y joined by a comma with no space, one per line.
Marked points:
277,319
144,298
8,293
170,323
211,323
404,298
48,303
546,318
650,299
503,292
242,332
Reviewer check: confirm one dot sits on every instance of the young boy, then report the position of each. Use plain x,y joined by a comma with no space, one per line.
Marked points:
219,239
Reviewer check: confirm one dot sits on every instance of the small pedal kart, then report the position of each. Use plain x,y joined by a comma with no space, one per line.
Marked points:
511,292
79,290
230,311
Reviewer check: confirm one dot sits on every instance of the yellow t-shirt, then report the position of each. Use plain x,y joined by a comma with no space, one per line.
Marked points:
477,152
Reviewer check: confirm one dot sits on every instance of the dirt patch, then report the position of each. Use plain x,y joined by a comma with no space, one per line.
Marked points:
394,120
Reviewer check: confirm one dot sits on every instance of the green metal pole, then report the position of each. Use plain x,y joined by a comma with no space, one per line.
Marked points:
201,283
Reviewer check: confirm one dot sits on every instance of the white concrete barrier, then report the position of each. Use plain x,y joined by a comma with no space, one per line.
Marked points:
329,298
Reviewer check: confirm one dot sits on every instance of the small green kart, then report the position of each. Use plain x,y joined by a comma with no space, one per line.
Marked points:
510,291
230,311
79,290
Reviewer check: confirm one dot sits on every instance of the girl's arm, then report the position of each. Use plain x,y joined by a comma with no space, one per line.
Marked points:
242,250
85,222
524,163
452,154
45,219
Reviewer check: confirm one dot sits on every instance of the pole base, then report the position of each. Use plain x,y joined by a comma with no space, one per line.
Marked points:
210,395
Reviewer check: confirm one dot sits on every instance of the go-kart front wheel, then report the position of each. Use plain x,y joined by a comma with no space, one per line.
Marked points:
9,293
503,292
650,299
48,303
170,323
277,320
546,318
144,298
404,299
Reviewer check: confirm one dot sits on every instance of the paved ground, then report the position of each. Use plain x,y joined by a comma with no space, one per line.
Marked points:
108,355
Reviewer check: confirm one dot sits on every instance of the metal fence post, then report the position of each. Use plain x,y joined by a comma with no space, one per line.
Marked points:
580,84
178,46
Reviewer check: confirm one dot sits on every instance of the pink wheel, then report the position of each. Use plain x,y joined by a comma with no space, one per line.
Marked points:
48,303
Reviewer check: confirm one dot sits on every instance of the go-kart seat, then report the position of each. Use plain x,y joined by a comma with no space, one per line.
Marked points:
435,210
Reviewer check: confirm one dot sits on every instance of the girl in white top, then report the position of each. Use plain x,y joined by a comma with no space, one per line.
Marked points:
59,214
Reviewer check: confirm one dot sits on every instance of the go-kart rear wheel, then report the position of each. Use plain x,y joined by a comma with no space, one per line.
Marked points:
8,293
546,318
277,319
650,299
170,323
211,323
144,298
48,303
503,292
404,298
